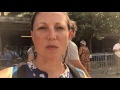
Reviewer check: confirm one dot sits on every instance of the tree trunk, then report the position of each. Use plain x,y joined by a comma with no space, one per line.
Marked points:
89,44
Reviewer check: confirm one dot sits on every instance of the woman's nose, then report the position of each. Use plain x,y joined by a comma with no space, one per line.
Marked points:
52,35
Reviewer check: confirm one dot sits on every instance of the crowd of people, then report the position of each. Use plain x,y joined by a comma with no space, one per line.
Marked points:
54,54
9,56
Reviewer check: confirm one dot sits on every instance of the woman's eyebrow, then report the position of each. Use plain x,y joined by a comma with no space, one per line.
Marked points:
41,23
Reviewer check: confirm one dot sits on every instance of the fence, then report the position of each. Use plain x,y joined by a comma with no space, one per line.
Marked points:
103,63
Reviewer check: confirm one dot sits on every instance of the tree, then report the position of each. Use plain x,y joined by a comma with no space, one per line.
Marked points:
95,24
21,14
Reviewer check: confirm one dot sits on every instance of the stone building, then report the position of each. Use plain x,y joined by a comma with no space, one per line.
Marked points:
11,31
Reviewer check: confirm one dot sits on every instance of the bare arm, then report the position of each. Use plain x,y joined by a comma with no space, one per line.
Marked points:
6,73
79,65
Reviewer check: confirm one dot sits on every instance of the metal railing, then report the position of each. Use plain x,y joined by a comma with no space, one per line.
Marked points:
103,63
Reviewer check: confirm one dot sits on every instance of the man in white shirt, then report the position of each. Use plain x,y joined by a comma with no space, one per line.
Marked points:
71,55
116,49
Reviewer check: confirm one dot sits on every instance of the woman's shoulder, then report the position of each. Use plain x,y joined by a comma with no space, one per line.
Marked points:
6,73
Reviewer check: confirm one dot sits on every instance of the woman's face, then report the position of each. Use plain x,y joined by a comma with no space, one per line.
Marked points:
50,34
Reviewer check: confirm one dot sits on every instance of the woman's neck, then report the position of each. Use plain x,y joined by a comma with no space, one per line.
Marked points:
53,67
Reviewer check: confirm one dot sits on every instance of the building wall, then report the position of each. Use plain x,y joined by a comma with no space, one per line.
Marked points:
11,29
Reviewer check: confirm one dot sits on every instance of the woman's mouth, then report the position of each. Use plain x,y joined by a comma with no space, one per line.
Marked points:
51,47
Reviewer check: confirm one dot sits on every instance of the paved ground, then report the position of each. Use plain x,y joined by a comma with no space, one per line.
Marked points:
96,75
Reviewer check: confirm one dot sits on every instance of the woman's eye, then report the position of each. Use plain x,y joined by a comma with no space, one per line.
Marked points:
40,28
59,28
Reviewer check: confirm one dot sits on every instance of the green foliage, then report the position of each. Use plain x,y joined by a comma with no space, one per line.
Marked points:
95,24
20,14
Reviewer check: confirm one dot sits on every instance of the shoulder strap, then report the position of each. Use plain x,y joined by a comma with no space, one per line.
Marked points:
19,71
22,71
74,71
14,72
34,52
66,53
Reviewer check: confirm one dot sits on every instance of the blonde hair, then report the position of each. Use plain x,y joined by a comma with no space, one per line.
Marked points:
73,26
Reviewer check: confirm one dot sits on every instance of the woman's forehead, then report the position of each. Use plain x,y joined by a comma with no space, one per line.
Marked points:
49,13
50,16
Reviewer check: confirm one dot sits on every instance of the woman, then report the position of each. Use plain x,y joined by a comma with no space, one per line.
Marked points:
50,34
84,55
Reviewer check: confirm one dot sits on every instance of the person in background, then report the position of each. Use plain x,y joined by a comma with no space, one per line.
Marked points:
2,59
9,55
31,53
71,55
84,55
2,54
116,50
50,36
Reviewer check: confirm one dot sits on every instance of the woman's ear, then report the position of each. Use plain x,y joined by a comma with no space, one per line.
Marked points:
32,36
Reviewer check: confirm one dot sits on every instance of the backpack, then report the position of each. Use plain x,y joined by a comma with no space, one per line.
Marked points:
14,57
19,71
